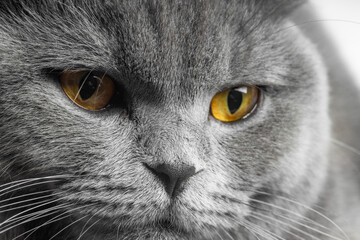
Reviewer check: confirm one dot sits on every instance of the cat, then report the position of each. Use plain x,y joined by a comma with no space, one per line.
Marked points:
174,120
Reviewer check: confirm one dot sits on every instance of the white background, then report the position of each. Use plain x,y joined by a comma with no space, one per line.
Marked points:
342,20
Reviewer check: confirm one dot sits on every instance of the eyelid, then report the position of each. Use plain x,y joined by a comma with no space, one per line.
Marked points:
250,81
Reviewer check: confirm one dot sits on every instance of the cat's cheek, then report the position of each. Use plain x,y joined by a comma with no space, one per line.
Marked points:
301,171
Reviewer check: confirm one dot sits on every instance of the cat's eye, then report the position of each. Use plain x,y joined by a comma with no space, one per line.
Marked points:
88,90
234,104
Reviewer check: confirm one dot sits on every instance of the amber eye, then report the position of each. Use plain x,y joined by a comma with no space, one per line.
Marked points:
89,90
234,104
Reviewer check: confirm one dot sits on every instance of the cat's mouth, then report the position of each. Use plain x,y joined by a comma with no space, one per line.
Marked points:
166,224
165,227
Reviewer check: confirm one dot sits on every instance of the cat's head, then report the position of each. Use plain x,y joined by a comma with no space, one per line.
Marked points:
156,161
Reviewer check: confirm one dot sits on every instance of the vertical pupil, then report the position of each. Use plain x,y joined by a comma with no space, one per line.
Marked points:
88,86
234,100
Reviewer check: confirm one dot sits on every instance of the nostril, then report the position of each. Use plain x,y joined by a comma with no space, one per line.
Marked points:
164,178
172,176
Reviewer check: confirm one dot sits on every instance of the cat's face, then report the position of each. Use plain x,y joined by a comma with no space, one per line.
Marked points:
167,62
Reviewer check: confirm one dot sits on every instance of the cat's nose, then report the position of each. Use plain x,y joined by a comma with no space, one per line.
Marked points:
172,176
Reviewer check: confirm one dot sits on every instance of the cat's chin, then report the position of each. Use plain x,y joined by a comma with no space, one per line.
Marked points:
155,233
162,231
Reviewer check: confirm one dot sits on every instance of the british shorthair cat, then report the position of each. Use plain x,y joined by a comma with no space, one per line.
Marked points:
174,120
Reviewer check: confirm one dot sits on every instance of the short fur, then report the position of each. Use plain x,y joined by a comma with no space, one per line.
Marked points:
285,172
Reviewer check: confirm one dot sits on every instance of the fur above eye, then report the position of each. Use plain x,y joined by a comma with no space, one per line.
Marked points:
234,104
87,89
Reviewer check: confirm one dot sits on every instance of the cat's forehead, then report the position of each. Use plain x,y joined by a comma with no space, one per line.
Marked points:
165,43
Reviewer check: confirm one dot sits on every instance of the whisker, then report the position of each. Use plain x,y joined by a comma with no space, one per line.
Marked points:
19,186
82,230
13,183
28,210
24,201
276,220
312,210
55,219
31,231
344,145
296,214
301,217
35,179
26,186
281,208
24,195
25,206
317,21
254,234
69,225
5,168
19,218
88,229
219,235
231,237
259,230
37,216
117,232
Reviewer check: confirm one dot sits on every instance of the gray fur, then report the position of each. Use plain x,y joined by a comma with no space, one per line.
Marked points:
274,175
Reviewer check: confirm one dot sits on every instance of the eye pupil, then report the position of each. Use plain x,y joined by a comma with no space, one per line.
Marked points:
234,100
88,85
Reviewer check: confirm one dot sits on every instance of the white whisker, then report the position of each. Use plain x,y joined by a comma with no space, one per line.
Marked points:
82,230
25,195
346,146
310,209
34,179
231,237
52,220
88,229
298,215
14,217
219,235
37,216
259,230
261,216
24,201
69,225
19,186
55,219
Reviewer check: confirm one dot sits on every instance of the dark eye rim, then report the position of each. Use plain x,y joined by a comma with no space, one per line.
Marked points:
262,89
